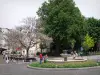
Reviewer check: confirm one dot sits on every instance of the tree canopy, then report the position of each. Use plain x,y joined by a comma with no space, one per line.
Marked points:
61,20
94,28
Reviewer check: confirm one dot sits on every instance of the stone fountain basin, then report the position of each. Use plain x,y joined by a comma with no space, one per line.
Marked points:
65,55
70,59
62,61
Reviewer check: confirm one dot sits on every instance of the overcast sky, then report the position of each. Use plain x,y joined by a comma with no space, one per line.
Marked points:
13,11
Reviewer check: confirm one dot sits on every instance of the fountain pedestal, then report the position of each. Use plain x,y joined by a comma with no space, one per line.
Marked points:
65,56
65,59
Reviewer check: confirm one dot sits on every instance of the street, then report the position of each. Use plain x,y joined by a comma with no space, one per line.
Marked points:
21,69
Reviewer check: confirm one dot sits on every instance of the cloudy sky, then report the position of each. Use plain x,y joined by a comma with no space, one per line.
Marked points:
13,11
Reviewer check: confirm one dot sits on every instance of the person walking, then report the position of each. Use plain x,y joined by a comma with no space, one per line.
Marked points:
41,58
6,58
75,55
3,53
45,58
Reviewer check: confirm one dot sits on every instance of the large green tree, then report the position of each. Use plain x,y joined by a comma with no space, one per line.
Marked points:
94,28
61,20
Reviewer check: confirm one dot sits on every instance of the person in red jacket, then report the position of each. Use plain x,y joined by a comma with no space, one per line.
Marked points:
41,57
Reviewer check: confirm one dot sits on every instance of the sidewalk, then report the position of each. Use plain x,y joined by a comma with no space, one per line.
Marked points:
94,57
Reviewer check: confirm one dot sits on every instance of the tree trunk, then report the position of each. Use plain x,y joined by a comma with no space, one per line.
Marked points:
27,53
57,47
41,50
51,48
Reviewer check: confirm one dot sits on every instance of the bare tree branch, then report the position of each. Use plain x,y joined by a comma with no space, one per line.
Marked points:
23,36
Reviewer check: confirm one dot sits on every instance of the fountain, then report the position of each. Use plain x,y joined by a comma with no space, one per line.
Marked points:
65,55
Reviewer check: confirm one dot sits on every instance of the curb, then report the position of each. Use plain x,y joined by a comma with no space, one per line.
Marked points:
61,69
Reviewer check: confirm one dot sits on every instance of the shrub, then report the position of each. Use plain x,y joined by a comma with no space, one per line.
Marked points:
37,53
65,65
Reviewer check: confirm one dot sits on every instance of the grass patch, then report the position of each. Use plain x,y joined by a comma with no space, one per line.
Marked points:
65,65
98,63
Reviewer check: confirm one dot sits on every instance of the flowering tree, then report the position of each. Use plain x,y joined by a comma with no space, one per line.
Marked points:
88,42
23,36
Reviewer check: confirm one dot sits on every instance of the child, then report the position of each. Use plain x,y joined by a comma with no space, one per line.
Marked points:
45,58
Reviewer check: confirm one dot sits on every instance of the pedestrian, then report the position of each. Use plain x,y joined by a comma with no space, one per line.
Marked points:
75,55
41,58
81,49
81,52
6,58
24,56
3,53
45,58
